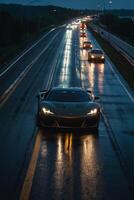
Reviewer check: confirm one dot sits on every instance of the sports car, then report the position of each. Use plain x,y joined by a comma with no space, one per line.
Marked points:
68,108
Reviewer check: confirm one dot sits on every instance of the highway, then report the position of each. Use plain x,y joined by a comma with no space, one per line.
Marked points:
121,46
36,164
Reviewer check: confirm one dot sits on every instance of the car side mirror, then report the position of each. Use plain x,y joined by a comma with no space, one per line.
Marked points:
89,91
41,94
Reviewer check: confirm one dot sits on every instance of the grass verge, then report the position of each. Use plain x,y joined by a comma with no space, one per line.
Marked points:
123,66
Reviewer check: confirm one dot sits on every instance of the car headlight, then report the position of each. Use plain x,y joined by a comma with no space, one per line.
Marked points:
92,112
91,45
46,111
102,57
92,56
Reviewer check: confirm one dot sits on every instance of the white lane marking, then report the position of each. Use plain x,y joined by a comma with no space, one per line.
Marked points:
4,97
1,74
27,185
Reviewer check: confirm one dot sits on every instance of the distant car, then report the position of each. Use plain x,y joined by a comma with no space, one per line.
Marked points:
96,55
87,45
69,27
68,108
83,34
82,26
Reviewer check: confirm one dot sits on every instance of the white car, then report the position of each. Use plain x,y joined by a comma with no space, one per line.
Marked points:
96,55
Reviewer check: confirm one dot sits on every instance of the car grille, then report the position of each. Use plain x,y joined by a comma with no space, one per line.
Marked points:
70,122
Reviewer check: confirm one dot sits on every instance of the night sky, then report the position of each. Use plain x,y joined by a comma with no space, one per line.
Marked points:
82,4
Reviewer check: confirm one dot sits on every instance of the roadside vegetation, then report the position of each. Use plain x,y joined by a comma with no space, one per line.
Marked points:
123,66
123,27
20,25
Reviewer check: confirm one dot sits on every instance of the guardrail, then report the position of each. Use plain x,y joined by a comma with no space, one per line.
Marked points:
124,48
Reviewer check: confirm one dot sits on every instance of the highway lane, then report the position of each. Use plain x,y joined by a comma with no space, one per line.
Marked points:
117,101
18,118
123,47
69,64
72,165
23,61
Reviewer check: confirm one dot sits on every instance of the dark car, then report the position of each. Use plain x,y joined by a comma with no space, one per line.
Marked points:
87,45
69,27
68,108
96,55
83,34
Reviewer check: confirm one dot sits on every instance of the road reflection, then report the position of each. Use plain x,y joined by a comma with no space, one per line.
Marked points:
82,39
101,78
65,71
92,74
75,165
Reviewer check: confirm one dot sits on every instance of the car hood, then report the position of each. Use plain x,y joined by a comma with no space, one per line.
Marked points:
97,54
69,109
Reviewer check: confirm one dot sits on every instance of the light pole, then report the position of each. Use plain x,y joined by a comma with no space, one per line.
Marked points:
98,14
109,20
104,12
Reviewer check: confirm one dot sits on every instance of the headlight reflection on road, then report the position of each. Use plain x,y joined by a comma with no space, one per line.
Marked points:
89,170
43,154
91,75
82,39
83,75
101,77
63,162
59,166
65,73
68,146
83,55
75,160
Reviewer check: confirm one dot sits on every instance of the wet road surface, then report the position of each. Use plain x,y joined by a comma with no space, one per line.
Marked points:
82,166
70,165
78,166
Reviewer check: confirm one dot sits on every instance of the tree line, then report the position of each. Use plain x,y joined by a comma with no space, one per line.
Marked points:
17,28
14,29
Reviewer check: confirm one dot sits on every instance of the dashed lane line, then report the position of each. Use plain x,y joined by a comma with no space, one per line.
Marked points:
4,97
9,67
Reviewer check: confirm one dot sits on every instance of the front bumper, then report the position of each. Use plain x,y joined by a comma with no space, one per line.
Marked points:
69,122
82,35
96,59
87,47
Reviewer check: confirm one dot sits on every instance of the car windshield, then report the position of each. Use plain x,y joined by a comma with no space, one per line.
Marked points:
87,42
68,96
96,51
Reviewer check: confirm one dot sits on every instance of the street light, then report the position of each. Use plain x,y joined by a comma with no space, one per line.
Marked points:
109,21
98,14
110,5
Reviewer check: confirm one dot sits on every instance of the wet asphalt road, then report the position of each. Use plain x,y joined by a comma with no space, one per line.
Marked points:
70,165
18,120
